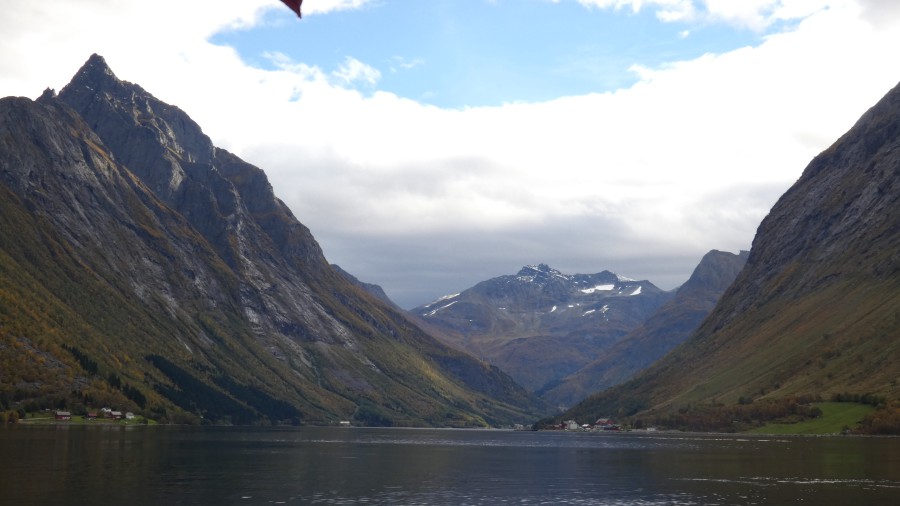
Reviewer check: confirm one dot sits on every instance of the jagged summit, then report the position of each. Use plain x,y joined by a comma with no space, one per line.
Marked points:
539,273
95,77
158,141
543,273
536,268
95,70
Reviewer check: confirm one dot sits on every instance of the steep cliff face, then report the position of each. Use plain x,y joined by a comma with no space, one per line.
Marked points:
815,309
541,325
171,280
668,327
227,200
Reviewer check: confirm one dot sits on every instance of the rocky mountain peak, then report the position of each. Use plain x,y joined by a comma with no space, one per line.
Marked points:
539,273
95,71
157,141
48,94
529,269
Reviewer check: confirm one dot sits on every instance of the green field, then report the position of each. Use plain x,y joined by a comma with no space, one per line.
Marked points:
836,416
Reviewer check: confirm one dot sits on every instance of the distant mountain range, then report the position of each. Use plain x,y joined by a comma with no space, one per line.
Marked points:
816,310
541,325
145,269
668,327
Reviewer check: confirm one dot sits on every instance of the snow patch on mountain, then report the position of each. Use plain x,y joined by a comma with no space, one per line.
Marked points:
442,299
432,313
598,288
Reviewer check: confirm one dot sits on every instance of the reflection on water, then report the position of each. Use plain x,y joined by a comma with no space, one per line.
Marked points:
244,466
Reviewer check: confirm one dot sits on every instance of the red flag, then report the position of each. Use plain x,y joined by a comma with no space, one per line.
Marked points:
294,5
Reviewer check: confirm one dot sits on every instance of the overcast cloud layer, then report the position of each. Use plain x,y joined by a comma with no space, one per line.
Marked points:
426,201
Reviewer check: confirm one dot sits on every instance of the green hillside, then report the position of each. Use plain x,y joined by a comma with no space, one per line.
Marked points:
814,313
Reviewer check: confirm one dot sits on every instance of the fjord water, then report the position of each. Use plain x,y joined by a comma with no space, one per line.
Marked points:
248,466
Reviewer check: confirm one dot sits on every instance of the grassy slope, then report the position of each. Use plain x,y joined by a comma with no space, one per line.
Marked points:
49,299
840,340
837,340
836,416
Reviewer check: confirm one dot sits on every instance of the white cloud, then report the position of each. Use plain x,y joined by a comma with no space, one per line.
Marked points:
752,14
326,6
353,70
402,63
882,14
688,159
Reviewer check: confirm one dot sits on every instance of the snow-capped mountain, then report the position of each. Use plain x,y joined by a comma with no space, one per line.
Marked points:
539,324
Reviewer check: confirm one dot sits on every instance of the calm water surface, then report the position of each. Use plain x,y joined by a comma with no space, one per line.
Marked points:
243,466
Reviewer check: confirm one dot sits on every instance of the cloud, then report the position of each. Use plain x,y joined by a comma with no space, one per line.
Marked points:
755,15
399,62
882,14
326,6
426,200
353,70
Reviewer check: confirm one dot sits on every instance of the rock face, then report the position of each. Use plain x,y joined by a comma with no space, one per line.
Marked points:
541,325
160,273
815,310
672,323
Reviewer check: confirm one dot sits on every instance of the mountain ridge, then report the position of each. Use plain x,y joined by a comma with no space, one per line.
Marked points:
170,274
540,325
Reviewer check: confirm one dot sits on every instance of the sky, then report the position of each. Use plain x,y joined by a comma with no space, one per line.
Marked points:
433,144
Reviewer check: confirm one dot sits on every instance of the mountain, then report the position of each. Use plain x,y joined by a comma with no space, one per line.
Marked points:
815,310
370,288
541,325
672,323
141,267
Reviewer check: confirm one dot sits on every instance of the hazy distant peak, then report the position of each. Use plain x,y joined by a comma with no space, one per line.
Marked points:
539,272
